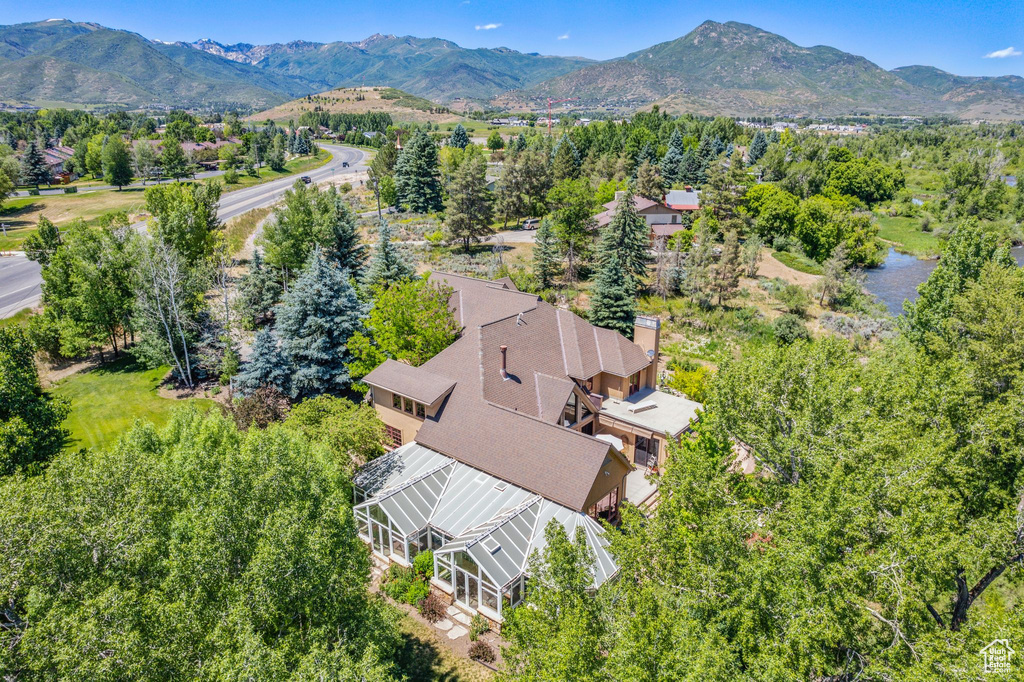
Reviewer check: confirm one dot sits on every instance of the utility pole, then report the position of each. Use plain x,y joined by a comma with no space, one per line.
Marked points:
556,101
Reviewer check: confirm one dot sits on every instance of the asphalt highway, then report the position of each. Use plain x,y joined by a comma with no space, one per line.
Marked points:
20,278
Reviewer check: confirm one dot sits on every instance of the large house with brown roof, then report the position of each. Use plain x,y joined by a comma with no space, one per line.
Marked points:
663,219
531,405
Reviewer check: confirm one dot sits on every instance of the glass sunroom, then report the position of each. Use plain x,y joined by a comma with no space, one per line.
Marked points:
481,529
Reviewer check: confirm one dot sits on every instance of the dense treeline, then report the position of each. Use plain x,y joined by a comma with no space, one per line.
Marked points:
374,121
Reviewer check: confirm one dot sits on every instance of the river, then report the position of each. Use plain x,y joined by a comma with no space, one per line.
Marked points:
898,277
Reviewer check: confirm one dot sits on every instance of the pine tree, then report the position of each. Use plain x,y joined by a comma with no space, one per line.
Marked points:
459,138
386,264
672,162
34,170
628,237
565,159
726,273
417,180
346,249
266,366
546,262
758,147
613,300
383,163
257,292
315,321
519,144
469,210
117,165
172,160
725,191
649,183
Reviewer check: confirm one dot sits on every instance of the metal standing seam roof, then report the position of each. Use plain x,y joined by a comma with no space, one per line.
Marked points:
497,523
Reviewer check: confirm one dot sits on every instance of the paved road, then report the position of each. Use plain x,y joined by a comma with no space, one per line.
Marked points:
19,284
20,278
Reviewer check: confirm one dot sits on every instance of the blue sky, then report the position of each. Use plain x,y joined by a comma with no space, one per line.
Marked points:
954,36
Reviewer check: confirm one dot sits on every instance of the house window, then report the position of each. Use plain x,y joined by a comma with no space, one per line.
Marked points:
421,411
396,401
634,384
408,406
569,413
393,436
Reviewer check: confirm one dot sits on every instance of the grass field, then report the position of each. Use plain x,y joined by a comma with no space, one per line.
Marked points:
106,401
237,230
907,237
423,658
797,262
18,319
299,165
21,214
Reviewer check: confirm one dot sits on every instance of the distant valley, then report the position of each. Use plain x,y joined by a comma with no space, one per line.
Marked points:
728,69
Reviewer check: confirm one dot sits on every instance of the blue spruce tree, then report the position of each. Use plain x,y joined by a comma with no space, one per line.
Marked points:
319,314
266,366
672,162
459,138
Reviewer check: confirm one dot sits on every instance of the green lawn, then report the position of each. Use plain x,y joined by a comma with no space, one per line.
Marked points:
106,401
797,262
299,165
907,237
18,319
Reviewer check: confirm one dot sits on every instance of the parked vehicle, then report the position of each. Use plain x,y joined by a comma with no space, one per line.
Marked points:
306,179
531,223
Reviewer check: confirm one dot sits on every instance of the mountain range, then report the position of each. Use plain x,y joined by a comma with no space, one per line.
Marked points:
729,69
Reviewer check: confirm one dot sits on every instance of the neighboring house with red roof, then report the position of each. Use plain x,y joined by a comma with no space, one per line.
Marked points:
532,414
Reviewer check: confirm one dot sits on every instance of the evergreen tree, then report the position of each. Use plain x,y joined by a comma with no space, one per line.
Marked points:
726,273
565,159
613,299
34,170
458,138
417,181
383,163
172,160
672,162
266,366
628,237
725,191
345,247
519,144
318,316
469,210
117,165
705,155
646,155
758,147
386,264
649,183
546,262
257,292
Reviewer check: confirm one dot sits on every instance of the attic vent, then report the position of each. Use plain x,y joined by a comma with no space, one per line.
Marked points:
500,485
491,545
643,406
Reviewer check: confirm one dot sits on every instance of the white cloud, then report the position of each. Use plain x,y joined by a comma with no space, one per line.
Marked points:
1003,54
486,27
564,36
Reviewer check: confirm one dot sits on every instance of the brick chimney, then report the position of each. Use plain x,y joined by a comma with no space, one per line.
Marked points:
504,363
647,335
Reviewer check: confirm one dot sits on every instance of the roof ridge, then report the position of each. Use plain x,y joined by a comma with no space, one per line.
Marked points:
412,481
504,517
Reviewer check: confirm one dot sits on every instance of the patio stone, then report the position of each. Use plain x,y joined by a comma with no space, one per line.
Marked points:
444,624
462,618
452,610
457,631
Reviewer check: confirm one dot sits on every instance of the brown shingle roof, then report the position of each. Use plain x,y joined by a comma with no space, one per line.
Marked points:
411,382
508,428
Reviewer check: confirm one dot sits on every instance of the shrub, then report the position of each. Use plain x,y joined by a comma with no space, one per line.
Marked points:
70,190
795,299
789,328
416,592
33,192
423,564
396,588
230,176
689,378
433,608
345,187
477,627
264,406
482,651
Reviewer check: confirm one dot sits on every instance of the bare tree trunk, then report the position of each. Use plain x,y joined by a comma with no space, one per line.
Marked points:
163,318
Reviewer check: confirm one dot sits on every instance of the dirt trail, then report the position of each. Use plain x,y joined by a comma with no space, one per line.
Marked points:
770,268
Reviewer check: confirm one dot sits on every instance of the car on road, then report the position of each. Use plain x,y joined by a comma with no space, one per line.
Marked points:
306,179
531,223
344,164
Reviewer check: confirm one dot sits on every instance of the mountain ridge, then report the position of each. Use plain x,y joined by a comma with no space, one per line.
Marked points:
726,68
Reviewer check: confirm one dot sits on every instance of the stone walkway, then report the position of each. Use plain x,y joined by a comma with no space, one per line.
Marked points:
454,630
